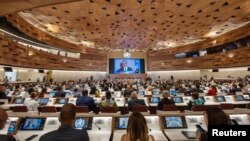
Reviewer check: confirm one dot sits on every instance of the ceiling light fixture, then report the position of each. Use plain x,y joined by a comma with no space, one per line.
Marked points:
127,54
31,53
189,61
230,55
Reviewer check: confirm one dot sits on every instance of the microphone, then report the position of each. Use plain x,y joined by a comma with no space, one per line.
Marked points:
97,126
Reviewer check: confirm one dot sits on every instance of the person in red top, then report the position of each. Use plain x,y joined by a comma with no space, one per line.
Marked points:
212,91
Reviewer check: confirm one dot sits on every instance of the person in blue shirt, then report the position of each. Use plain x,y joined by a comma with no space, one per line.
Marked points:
85,100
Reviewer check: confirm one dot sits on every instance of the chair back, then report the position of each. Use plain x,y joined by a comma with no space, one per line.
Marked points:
140,108
48,109
82,109
226,106
108,109
199,108
169,107
20,109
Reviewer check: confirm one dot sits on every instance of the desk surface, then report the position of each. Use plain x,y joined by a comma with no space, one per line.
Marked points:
154,130
101,129
176,134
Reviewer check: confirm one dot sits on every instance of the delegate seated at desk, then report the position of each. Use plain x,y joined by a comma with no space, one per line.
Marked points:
124,68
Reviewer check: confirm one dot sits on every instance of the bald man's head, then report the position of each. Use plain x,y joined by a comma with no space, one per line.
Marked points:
68,114
3,118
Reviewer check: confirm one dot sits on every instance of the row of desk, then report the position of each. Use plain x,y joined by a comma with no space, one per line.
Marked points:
149,101
105,128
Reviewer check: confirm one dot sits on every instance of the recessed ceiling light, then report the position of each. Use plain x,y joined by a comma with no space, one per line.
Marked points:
189,61
64,60
230,55
211,34
52,28
31,53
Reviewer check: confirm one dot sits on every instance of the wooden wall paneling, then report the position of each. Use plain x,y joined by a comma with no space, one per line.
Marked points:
18,55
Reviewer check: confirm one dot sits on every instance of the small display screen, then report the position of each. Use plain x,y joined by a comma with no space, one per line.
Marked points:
220,99
62,101
122,123
19,101
156,91
175,122
172,92
178,99
141,92
81,123
43,101
239,98
12,127
32,123
154,100
52,94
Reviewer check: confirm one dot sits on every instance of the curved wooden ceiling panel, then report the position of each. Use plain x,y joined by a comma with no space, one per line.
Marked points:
10,6
14,54
138,25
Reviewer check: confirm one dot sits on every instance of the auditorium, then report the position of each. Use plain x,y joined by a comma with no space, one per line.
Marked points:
124,70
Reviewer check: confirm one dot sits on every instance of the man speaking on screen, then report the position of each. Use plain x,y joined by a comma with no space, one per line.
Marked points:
124,68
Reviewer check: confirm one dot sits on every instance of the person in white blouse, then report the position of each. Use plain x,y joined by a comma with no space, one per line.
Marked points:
31,103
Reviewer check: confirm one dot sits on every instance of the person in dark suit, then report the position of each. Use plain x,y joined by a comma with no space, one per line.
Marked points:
128,91
85,100
165,100
3,119
134,101
66,132
124,68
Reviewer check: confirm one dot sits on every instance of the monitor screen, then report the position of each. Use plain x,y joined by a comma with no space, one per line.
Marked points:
43,101
82,123
239,98
52,94
178,99
154,100
140,92
156,91
32,123
19,100
172,92
121,122
126,66
220,99
62,101
174,122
